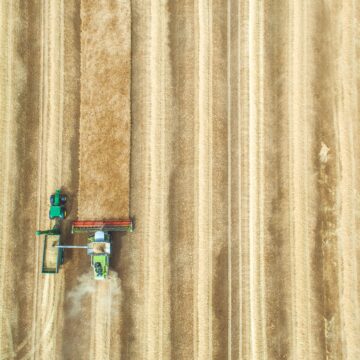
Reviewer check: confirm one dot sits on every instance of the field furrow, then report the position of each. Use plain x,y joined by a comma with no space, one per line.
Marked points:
228,131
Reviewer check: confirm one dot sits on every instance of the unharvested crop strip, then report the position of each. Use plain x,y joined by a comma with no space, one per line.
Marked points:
105,110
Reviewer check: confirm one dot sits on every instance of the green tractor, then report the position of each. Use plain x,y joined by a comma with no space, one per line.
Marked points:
98,244
57,205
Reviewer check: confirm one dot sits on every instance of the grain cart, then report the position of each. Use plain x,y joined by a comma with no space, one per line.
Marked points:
53,256
98,245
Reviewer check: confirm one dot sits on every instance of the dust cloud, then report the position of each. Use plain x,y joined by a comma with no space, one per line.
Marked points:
110,291
86,285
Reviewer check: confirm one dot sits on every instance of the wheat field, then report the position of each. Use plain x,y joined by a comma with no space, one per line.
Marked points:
229,131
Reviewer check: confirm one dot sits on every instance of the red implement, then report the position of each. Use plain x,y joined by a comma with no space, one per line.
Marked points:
105,225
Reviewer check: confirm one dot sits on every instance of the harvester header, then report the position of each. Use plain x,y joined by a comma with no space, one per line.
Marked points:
86,226
99,241
98,245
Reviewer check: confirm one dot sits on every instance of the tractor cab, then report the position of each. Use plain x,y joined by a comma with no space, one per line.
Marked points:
98,246
57,206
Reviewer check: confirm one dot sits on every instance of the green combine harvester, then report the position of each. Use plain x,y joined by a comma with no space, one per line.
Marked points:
98,244
99,241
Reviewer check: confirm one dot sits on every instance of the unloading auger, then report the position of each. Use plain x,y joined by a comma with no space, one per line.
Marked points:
98,245
99,241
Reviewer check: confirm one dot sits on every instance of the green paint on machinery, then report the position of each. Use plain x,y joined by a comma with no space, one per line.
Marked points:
53,256
98,243
57,205
99,249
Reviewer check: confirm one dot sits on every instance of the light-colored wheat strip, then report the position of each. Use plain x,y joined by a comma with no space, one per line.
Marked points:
307,242
158,321
53,290
245,348
299,181
165,104
6,154
256,180
203,188
347,105
196,186
38,248
252,182
239,174
210,177
229,160
262,181
152,289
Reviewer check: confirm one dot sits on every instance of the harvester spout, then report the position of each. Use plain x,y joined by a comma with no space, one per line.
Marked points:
72,246
53,231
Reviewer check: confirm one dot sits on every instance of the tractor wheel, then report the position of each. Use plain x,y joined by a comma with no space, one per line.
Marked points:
64,214
52,199
63,199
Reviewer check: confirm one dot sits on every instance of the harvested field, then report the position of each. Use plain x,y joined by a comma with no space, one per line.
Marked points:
238,163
